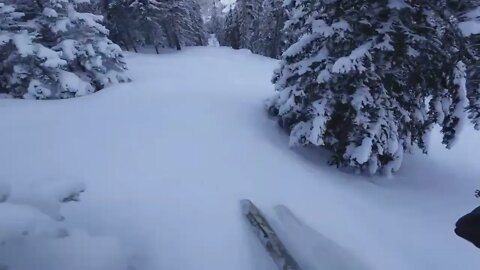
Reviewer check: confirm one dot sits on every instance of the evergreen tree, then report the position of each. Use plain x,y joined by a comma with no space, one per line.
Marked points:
198,30
231,31
27,68
469,15
56,51
93,61
182,23
148,17
360,76
257,25
122,21
248,12
158,23
271,37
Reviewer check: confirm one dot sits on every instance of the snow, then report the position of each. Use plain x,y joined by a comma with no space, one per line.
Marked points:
460,80
398,4
51,57
353,61
166,159
213,41
471,26
228,5
70,82
69,51
361,153
23,43
37,90
49,12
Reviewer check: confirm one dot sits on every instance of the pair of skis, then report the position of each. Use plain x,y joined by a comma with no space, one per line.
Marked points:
313,249
268,238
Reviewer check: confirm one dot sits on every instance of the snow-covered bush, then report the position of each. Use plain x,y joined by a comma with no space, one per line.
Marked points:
58,53
33,213
369,79
33,234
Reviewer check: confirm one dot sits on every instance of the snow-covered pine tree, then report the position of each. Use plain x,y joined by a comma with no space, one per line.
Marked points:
248,13
198,36
271,38
30,8
161,23
469,23
148,17
231,30
182,23
452,75
9,20
93,60
188,22
359,78
27,69
123,24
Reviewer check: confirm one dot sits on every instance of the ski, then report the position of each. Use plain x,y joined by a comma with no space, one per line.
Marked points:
314,248
268,238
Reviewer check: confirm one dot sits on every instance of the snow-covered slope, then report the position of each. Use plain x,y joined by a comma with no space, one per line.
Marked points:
167,158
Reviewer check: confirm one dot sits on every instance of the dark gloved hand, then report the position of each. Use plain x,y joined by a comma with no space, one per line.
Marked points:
468,227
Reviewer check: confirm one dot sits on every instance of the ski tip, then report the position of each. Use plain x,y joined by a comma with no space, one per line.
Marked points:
246,205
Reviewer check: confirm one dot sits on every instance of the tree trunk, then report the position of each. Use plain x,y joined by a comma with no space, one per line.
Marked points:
125,44
177,42
106,3
131,41
39,4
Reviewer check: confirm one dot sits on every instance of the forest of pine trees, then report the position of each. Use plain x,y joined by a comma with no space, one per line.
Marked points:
158,23
257,25
52,49
367,80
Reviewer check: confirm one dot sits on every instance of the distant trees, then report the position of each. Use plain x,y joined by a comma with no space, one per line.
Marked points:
158,23
231,30
215,21
248,12
241,28
257,25
369,80
271,39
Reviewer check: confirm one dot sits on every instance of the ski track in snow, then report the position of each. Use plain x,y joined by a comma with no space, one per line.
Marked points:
167,158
